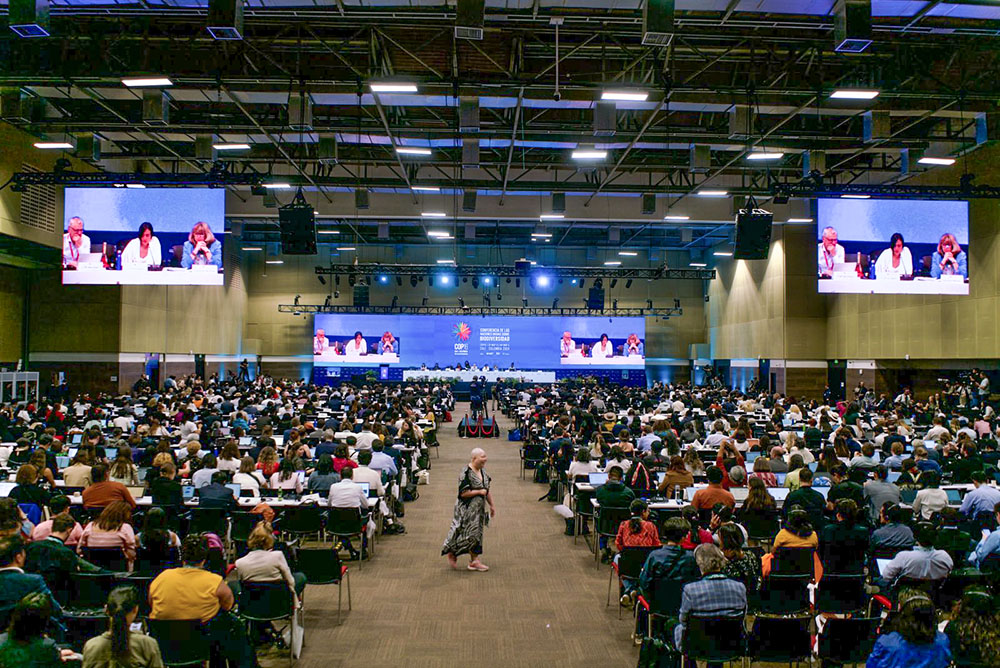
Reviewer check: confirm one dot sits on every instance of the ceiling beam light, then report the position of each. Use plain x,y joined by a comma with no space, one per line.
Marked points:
763,155
799,220
274,262
433,214
712,193
676,217
551,216
723,253
231,147
853,94
426,189
251,249
278,186
589,154
389,87
64,144
698,264
936,161
412,150
446,261
628,253
345,249
542,235
438,233
612,263
624,96
327,231
855,197
147,82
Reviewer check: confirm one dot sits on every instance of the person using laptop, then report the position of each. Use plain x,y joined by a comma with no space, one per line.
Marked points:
349,494
983,499
923,562
364,473
217,494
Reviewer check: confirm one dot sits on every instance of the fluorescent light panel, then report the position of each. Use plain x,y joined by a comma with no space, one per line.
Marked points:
723,253
855,197
327,231
712,193
542,235
854,94
936,161
426,189
412,150
551,216
393,87
589,154
799,220
698,264
438,233
676,217
345,248
250,249
765,155
278,186
628,253
63,145
446,262
147,82
624,96
135,185
612,263
433,214
274,262
231,147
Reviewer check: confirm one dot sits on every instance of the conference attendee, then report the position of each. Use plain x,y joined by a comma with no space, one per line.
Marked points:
915,640
75,242
879,492
776,460
143,251
742,564
637,531
808,499
603,349
983,499
830,252
988,545
706,497
714,595
677,477
923,562
28,490
191,592
51,558
388,345
893,532
111,529
844,543
265,564
356,346
165,489
248,477
216,494
348,494
201,248
648,442
633,345
77,474
930,499
15,584
973,632
895,261
120,645
25,642
58,507
157,547
762,470
759,511
470,515
320,342
382,461
104,492
229,458
798,532
667,570
566,344
843,488
949,259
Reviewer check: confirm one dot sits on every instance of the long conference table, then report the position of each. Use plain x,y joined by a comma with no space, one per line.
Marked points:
470,375
890,286
166,276
243,501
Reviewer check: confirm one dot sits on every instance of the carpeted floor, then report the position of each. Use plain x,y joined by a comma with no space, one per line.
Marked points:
541,604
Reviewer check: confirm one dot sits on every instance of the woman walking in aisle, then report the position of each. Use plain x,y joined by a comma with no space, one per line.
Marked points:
471,515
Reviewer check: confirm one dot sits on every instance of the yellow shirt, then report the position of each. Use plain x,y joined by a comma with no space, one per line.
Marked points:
786,538
184,593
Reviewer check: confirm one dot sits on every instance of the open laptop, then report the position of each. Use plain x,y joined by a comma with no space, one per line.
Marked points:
954,497
822,490
881,564
188,492
6,487
77,439
751,456
136,492
62,461
367,488
780,477
235,488
779,493
893,476
246,440
111,453
597,479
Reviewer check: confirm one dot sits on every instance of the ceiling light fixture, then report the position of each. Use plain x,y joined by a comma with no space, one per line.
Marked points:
393,87
723,253
327,231
62,145
589,154
278,186
412,150
231,147
251,249
624,96
433,214
855,197
274,262
936,161
551,216
676,217
447,261
425,189
853,94
612,263
628,253
345,248
147,82
712,193
764,155
799,220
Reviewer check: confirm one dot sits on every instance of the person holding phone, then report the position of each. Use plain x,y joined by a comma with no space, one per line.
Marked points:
201,248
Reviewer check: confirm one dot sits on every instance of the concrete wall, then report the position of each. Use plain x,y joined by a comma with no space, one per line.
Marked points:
13,282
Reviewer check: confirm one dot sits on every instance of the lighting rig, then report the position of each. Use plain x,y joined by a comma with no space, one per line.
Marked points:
508,271
469,310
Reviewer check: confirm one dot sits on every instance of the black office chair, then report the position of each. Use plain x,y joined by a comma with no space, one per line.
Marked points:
606,523
583,506
302,521
323,567
183,642
208,520
141,585
714,639
841,593
628,567
267,602
346,523
848,640
89,591
781,639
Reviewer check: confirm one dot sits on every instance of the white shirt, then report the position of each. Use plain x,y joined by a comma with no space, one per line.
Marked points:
566,347
607,350
132,258
320,344
355,348
124,422
72,252
884,268
248,481
370,476
347,494
935,432
363,440
827,261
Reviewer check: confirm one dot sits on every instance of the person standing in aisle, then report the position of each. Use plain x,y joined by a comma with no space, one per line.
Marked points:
471,514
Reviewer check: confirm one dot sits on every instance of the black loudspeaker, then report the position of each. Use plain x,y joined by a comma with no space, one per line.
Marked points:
753,234
298,230
199,366
595,300
361,295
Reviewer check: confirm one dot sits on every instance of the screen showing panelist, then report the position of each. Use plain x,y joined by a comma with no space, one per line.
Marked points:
831,253
949,259
143,251
75,242
567,346
895,260
201,247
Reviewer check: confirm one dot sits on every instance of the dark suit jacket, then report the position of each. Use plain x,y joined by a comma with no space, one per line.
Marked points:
166,492
15,585
55,562
216,496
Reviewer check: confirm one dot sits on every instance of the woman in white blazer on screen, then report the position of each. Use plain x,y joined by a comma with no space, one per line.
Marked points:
603,348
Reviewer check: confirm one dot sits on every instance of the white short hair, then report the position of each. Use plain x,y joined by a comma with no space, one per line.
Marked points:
477,452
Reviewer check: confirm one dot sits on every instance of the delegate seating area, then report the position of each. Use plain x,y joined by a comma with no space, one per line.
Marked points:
235,499
746,526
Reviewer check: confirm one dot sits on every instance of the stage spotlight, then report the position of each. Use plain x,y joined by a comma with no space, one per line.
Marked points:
598,283
677,303
499,296
413,281
297,298
322,281
383,279
649,303
399,281
351,281
555,303
446,280
628,284
524,301
475,282
543,281
326,302
465,279
517,282
487,280
424,302
508,280
573,281
614,282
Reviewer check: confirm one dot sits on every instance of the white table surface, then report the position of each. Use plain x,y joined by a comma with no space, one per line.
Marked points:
141,277
492,376
888,286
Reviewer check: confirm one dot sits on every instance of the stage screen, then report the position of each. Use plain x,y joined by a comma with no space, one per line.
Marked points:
889,246
143,236
447,341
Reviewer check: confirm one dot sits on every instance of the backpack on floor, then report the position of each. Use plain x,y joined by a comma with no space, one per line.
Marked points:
410,492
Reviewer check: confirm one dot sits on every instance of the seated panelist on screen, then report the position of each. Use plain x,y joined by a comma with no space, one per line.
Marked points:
356,346
830,252
895,260
633,345
566,345
603,348
320,342
75,242
201,247
949,259
143,251
387,344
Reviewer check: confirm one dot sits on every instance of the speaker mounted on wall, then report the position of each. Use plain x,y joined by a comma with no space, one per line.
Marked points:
297,221
753,232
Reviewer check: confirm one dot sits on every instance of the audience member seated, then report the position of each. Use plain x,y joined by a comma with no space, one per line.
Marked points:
667,570
15,584
103,492
798,532
706,497
974,629
988,545
741,564
58,505
342,458
636,531
915,639
111,529
265,564
13,521
930,499
122,469
120,645
165,489
983,499
53,560
893,532
879,492
807,499
28,490
216,494
714,595
759,511
25,642
676,479
923,562
382,461
248,477
612,494
844,543
157,546
193,593
202,476
364,473
286,478
321,479
348,494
